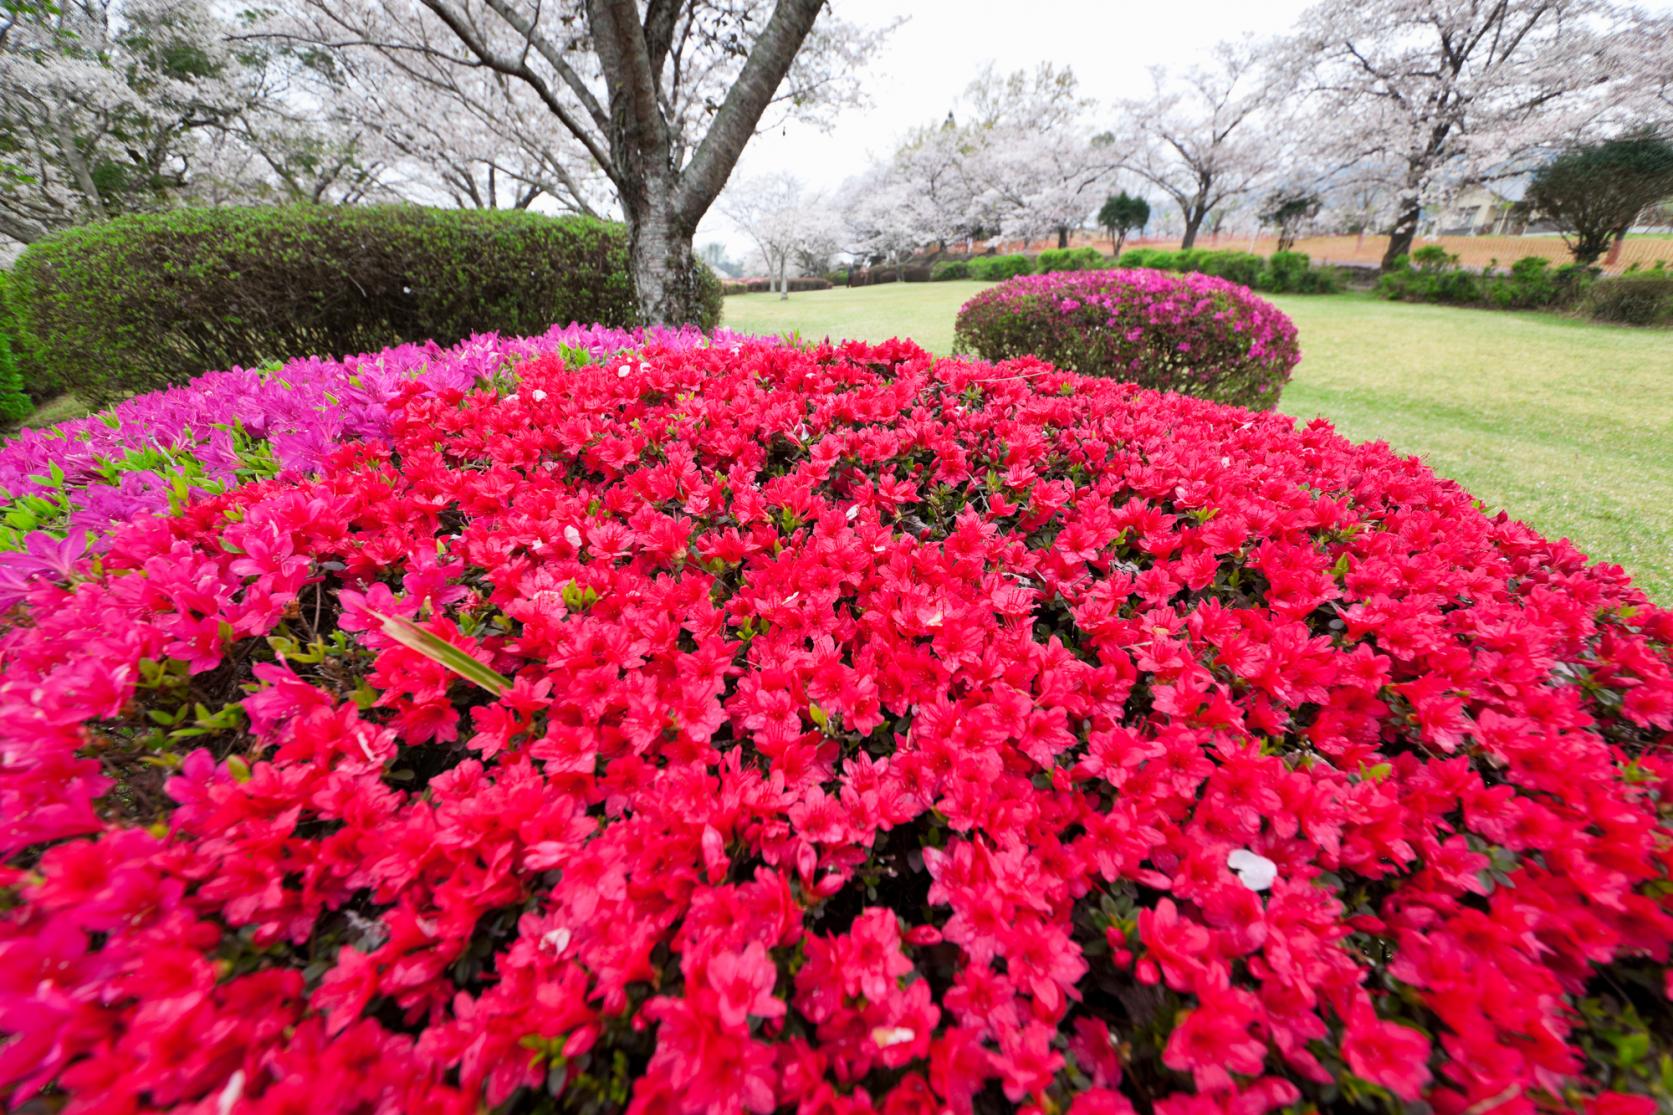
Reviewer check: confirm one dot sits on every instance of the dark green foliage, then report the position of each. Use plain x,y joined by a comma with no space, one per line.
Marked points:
1284,272
140,302
1069,259
1594,194
950,269
1432,274
1636,298
994,268
1122,214
1286,210
14,403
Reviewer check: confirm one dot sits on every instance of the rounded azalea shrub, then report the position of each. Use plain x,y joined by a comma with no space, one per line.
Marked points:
1191,333
744,728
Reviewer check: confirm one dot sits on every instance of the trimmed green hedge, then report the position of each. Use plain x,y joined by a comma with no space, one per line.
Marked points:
1432,274
1635,298
140,302
14,403
996,268
1280,273
1069,259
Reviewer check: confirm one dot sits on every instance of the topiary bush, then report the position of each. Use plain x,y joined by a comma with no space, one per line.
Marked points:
997,268
1068,259
1636,298
751,728
1194,334
15,403
136,303
948,269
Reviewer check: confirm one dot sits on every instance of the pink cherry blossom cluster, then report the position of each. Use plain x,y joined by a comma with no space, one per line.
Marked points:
1191,333
750,728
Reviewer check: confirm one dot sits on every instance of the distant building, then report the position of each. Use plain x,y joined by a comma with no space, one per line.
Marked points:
1485,210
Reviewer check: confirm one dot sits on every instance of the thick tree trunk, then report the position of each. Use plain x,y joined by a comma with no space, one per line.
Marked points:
663,266
1400,237
1120,242
1062,236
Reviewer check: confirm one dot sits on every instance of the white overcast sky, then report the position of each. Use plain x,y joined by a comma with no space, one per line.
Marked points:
927,62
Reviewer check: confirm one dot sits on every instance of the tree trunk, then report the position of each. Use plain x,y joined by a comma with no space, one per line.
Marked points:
1193,222
783,280
663,267
1062,236
1120,242
1400,237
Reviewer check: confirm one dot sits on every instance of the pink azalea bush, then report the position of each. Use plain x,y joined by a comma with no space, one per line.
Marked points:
750,728
1192,333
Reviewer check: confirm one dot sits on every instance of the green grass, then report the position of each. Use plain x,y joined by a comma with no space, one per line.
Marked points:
1566,424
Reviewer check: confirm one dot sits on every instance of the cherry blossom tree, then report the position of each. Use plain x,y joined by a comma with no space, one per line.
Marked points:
1035,166
1441,93
931,166
662,96
888,220
1206,137
785,224
105,108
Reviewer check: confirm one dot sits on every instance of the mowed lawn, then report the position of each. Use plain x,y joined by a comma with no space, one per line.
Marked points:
1566,424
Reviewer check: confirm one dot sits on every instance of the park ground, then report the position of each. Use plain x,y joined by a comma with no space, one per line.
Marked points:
1566,424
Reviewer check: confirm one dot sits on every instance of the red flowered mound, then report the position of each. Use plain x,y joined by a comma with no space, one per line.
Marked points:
836,731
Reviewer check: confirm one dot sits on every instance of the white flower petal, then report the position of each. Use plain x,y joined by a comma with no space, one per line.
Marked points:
572,536
1254,870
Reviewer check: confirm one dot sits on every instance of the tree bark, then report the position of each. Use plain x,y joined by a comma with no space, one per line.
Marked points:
1193,222
1062,236
1404,232
661,260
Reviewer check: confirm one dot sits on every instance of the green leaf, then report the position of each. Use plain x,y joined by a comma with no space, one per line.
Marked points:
440,651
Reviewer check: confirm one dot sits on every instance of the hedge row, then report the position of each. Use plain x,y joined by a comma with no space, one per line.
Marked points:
1282,272
141,302
766,286
1432,274
1636,298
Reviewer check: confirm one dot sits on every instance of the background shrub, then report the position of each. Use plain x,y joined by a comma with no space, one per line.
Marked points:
1069,259
995,268
1194,334
140,302
1431,274
14,402
950,269
760,286
1284,272
1636,298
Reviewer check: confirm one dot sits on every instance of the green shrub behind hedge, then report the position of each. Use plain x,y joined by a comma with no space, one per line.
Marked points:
140,302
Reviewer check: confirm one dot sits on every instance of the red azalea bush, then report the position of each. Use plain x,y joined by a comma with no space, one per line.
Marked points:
754,729
1192,333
